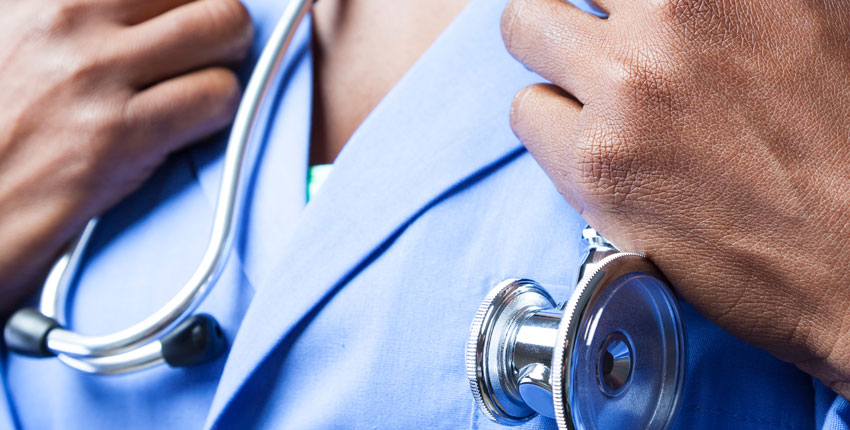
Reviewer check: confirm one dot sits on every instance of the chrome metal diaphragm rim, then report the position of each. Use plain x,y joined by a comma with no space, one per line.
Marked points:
487,348
594,283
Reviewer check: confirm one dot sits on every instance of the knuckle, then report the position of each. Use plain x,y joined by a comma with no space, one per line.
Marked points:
232,18
685,10
105,122
99,127
86,68
223,92
706,21
59,17
646,82
609,170
636,75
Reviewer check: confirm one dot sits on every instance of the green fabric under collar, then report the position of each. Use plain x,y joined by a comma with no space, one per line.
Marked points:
316,176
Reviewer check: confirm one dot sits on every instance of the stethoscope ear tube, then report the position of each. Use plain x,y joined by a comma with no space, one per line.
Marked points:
196,340
164,336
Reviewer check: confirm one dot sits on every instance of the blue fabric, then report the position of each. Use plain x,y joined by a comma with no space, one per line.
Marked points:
352,311
834,411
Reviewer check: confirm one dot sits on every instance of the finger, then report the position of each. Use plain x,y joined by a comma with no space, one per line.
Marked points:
195,35
184,109
546,120
132,12
556,40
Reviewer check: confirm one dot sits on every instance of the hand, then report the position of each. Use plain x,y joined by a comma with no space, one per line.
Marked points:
95,94
712,136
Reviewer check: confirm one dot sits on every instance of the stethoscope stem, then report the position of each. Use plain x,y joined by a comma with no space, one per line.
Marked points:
196,340
613,352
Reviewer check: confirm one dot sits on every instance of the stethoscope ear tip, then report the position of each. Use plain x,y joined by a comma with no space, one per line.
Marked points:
26,333
196,340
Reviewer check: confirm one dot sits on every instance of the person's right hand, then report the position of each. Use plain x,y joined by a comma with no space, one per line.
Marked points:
95,95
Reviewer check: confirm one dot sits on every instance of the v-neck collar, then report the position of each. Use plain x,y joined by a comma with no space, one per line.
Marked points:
442,127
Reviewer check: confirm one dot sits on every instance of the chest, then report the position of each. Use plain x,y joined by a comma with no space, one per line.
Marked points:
387,346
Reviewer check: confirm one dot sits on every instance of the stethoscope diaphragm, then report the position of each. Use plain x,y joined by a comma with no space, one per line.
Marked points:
612,356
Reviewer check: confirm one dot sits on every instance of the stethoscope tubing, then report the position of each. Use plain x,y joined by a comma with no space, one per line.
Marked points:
137,347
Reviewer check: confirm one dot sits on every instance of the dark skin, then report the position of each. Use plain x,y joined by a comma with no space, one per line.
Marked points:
112,87
361,49
95,95
709,135
712,136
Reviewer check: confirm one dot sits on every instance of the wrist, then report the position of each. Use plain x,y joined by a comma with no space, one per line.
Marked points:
829,350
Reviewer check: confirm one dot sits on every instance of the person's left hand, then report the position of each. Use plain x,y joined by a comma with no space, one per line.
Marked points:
712,136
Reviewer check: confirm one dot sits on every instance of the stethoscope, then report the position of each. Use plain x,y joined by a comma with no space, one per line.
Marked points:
171,334
612,356
614,353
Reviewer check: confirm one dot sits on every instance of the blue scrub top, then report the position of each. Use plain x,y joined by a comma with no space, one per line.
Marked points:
353,311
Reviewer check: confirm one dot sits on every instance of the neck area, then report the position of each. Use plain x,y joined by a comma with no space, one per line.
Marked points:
361,50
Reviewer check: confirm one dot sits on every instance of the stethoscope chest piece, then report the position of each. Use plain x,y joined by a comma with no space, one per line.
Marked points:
611,357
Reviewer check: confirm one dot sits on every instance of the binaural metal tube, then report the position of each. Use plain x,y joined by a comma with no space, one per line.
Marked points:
146,356
240,156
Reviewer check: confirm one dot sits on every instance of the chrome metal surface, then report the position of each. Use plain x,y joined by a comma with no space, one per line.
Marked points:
521,344
598,248
144,357
600,274
54,294
136,347
535,338
533,348
491,350
535,388
615,364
